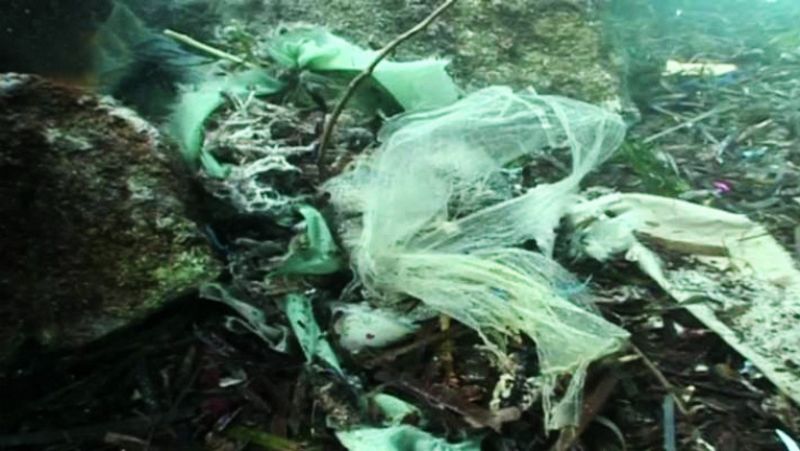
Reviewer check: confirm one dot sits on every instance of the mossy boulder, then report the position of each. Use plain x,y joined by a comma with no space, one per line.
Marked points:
94,232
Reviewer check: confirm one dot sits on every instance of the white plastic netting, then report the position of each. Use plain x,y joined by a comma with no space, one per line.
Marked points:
434,226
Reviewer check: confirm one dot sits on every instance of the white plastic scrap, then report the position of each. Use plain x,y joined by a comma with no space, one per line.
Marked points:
694,69
791,445
749,280
432,228
360,326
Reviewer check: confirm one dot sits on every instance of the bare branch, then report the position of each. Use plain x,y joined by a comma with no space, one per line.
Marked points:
355,82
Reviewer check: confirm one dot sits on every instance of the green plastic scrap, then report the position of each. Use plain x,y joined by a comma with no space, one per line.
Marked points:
306,329
396,436
252,318
316,252
400,438
198,103
394,409
416,85
393,437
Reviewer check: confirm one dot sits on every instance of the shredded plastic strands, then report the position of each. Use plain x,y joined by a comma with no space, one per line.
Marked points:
428,232
267,177
197,103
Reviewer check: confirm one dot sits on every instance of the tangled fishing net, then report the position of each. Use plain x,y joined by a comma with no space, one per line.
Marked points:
437,224
266,146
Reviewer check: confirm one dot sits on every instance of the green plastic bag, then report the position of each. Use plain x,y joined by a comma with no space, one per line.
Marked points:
307,331
316,253
396,436
416,85
399,438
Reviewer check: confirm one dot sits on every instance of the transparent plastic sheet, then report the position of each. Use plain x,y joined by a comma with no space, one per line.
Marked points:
735,265
431,226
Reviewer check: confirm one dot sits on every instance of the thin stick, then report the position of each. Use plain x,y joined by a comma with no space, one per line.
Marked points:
446,349
688,123
591,407
355,82
191,42
425,340
662,380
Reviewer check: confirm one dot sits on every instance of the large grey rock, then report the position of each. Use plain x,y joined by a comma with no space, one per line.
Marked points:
93,231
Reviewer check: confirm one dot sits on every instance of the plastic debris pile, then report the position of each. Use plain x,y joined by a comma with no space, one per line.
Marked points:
437,213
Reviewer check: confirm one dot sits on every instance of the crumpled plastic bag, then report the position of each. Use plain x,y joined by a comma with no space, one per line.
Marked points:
434,227
360,326
416,85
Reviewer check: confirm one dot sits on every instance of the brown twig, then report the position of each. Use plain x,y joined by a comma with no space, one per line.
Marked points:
213,51
423,340
671,390
446,350
92,433
689,123
591,407
355,82
444,399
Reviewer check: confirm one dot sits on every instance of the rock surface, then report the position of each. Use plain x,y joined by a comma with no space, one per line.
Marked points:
93,231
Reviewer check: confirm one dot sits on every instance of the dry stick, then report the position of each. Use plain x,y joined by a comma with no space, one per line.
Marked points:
591,407
432,338
688,123
354,83
662,380
191,42
446,349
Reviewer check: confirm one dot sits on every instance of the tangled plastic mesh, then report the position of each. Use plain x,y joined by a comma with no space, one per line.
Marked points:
265,144
427,232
